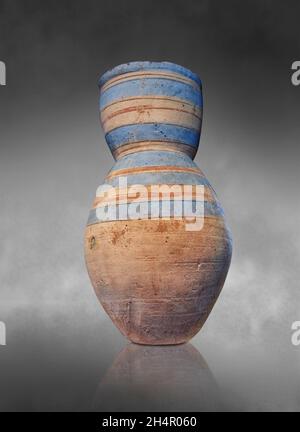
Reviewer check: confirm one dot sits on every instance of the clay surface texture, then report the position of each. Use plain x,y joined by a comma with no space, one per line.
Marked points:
156,272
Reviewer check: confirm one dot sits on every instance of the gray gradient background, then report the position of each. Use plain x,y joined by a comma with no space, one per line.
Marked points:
62,350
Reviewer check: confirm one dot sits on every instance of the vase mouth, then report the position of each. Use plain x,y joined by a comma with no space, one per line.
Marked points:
137,66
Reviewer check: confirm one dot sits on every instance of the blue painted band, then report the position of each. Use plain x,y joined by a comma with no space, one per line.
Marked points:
152,132
147,65
155,209
151,87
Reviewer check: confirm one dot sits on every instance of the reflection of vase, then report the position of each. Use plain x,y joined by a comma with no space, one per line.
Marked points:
145,378
155,276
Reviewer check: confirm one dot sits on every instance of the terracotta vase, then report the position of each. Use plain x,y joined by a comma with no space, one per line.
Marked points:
156,274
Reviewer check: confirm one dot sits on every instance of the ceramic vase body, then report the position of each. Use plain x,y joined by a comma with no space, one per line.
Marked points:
156,279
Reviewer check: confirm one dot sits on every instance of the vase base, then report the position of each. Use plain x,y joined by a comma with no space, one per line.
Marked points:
158,342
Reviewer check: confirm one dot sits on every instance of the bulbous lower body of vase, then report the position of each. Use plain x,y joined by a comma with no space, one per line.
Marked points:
157,280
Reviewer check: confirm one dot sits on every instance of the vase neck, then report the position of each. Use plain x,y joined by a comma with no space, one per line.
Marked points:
152,146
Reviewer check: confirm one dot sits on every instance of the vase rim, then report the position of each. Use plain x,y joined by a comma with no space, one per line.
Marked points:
147,65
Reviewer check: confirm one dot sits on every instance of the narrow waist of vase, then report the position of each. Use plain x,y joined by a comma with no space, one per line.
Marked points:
154,136
145,146
153,169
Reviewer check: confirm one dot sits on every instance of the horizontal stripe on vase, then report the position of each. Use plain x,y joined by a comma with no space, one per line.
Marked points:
152,169
153,146
151,100
138,193
159,158
146,75
155,209
146,66
151,86
163,177
150,114
152,132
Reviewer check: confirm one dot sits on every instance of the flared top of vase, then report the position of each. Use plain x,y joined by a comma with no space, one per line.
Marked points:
148,65
148,106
